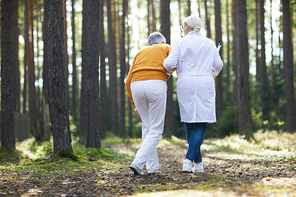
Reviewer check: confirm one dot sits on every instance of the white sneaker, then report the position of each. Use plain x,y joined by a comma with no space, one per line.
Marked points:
136,170
198,168
187,167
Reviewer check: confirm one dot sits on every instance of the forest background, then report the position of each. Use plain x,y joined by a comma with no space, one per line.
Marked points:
63,63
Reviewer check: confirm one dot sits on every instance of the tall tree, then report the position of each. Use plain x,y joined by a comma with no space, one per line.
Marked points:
245,122
7,82
188,7
74,72
46,114
15,58
30,65
90,73
122,69
65,45
166,31
263,69
228,51
103,87
112,69
218,29
288,68
207,20
57,92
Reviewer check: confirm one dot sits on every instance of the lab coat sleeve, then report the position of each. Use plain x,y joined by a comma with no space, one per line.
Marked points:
172,61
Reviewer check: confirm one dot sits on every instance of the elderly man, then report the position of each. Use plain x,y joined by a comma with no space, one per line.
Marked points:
147,90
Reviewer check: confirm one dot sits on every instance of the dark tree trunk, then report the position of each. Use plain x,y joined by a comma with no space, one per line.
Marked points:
208,24
31,67
90,73
46,115
15,56
235,47
219,90
122,69
103,87
263,69
112,70
245,122
258,60
7,82
57,93
74,73
166,31
228,53
289,68
65,47
188,7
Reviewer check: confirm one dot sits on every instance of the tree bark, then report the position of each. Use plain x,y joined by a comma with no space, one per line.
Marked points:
166,31
122,69
46,114
15,58
208,24
263,69
57,93
219,81
74,73
112,70
7,82
245,122
90,73
103,87
288,68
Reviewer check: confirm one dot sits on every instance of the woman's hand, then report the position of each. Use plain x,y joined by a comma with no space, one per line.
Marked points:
138,115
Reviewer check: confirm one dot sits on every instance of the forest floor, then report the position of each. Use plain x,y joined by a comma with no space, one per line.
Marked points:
233,166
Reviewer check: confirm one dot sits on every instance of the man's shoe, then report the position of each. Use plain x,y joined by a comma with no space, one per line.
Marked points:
198,168
187,167
136,170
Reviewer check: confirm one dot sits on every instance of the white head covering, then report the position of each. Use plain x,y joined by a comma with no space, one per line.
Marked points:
193,22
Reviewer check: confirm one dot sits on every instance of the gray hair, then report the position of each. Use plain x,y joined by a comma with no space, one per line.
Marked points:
156,38
193,22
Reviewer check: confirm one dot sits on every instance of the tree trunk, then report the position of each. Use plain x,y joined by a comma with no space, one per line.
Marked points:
112,70
166,31
103,87
288,68
65,47
31,68
15,57
245,122
90,73
209,35
7,82
46,115
263,69
188,7
235,47
57,92
228,53
74,73
219,81
258,60
122,69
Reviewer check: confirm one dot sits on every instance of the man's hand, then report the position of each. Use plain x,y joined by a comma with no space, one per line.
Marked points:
138,115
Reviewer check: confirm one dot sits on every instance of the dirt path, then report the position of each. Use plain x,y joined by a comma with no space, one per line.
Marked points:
227,173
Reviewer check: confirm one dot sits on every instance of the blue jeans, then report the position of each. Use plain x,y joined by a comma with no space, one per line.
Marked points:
195,135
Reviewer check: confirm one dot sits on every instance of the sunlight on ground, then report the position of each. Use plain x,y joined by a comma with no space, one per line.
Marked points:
187,193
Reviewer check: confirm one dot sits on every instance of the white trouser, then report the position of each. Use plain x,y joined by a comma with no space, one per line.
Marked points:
150,99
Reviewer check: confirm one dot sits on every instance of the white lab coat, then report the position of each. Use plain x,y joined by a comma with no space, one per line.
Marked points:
196,59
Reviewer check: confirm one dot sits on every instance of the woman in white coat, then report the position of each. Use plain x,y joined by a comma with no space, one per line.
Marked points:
196,59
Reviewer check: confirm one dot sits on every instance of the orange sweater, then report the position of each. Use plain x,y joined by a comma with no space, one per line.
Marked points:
148,65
